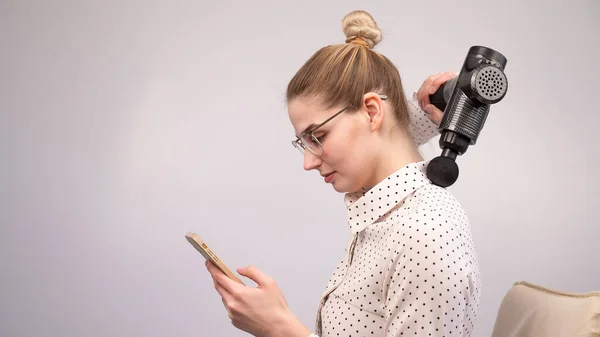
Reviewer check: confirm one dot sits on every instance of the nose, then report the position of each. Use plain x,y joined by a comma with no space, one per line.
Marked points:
311,161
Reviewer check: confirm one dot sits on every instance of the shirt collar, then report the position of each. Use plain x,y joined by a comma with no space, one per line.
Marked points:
367,206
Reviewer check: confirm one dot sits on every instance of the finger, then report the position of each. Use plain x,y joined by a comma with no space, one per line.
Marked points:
434,114
422,93
421,98
226,296
439,80
217,275
224,304
226,308
426,90
212,269
223,293
257,276
224,281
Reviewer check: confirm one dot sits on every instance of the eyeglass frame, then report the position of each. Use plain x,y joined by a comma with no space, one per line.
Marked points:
303,147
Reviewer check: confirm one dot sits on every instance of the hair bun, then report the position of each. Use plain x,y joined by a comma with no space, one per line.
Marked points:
360,27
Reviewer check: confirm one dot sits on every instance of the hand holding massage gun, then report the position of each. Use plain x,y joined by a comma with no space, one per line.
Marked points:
465,101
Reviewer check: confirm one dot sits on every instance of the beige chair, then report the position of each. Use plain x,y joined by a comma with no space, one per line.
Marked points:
530,310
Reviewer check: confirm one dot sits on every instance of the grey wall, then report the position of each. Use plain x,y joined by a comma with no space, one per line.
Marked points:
114,144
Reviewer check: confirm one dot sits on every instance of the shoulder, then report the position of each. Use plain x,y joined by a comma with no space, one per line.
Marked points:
431,226
430,207
431,261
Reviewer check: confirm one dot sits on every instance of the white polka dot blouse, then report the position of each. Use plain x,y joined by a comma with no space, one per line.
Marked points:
410,268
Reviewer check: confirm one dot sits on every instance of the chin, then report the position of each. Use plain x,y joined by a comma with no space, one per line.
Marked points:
339,189
342,187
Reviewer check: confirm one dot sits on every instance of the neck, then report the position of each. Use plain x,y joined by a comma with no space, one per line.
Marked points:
394,154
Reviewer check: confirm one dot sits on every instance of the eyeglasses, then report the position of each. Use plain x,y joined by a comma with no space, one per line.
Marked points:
308,140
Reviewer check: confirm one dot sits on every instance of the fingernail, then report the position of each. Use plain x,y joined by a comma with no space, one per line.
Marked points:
432,90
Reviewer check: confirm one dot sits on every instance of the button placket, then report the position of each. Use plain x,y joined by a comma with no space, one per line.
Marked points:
319,320
351,251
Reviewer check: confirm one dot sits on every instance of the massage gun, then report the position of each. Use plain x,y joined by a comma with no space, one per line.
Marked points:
465,101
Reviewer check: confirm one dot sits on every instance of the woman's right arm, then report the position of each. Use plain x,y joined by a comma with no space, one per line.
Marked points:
420,128
424,118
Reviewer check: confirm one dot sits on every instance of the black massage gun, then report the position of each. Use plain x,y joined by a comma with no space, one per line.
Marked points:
465,101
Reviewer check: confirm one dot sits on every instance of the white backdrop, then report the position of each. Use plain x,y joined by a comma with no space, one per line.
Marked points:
126,124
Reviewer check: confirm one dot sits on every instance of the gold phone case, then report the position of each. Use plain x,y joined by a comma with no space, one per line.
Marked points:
208,254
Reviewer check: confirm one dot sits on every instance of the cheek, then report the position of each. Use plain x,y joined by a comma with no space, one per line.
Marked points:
348,160
343,151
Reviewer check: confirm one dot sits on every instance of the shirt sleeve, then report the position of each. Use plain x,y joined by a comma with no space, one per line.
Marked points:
429,289
420,127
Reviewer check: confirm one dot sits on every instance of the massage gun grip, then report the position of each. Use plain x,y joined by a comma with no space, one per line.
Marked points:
437,99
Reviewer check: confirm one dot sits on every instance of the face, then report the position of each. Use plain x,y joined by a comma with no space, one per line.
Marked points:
348,141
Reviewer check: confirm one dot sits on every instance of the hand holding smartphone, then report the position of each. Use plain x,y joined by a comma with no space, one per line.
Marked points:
208,254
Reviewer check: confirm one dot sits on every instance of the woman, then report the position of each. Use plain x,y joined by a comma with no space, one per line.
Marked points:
410,267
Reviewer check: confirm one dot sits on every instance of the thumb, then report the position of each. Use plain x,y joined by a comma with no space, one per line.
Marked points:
255,275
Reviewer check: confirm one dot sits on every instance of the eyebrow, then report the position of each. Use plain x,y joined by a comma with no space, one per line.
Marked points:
310,127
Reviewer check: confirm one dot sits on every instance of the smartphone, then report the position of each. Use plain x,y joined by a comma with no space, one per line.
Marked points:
208,254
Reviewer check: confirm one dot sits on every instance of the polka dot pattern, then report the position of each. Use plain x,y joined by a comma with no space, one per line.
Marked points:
421,129
410,268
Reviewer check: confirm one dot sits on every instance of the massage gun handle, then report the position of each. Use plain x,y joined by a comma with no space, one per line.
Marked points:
437,98
441,97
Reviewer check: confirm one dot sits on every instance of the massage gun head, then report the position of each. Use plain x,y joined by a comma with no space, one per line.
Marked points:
466,100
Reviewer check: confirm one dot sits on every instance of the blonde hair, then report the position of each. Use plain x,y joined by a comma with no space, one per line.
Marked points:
341,74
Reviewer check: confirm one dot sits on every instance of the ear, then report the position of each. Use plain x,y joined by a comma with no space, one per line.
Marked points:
373,105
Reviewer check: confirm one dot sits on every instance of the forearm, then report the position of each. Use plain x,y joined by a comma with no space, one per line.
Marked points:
420,128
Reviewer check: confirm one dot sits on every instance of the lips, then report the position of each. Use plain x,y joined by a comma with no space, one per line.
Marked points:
328,177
